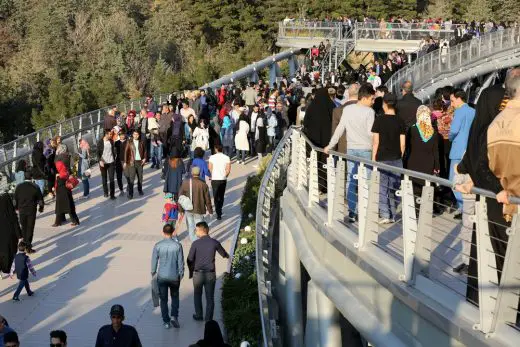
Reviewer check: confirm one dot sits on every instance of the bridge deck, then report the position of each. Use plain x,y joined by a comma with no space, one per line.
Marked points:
82,271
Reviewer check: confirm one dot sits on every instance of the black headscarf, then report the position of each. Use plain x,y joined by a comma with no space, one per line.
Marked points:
9,232
212,336
475,161
318,118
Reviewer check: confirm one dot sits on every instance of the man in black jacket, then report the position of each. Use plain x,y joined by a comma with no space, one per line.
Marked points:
117,333
27,197
408,105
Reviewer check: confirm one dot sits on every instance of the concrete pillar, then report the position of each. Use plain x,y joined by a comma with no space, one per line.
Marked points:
273,73
312,335
330,329
293,295
292,66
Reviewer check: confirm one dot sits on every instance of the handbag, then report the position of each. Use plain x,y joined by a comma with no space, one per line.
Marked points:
185,202
87,173
71,183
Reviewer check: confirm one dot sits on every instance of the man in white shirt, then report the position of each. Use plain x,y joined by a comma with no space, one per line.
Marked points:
220,167
186,110
356,121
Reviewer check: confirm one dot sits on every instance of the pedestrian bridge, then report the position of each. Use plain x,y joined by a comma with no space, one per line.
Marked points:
326,282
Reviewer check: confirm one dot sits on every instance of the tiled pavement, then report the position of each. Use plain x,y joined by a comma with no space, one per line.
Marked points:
82,271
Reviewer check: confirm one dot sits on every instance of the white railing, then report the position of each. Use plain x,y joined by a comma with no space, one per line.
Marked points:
437,64
426,243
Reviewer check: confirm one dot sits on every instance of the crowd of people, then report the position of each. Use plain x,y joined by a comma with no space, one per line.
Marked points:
447,138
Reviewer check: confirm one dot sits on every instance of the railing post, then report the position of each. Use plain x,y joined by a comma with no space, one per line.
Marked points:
313,179
363,193
409,228
37,136
59,130
487,273
331,188
295,154
302,163
509,288
339,201
423,243
368,207
15,150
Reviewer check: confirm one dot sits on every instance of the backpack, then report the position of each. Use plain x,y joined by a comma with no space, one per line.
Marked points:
202,140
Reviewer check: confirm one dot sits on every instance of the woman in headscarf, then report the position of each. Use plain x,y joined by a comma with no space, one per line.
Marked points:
260,135
84,165
10,233
241,141
423,145
38,161
317,125
176,135
62,155
227,136
200,136
64,199
50,168
175,171
212,336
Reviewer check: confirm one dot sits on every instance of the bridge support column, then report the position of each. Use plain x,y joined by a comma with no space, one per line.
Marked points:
273,73
254,77
292,66
323,326
292,289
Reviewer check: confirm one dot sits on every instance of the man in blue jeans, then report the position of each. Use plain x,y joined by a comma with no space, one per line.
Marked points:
356,121
170,258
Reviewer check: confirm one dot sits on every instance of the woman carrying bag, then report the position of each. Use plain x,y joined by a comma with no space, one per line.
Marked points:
64,199
84,166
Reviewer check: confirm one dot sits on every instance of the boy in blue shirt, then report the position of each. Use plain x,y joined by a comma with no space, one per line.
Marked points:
21,266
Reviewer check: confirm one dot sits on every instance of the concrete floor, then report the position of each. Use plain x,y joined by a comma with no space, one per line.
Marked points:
83,271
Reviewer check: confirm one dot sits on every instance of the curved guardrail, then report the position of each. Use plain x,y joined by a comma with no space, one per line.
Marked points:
434,67
273,184
420,242
84,123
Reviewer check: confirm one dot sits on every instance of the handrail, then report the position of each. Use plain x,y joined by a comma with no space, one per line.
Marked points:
267,191
405,172
434,65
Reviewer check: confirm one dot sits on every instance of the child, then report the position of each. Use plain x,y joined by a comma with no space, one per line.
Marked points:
170,213
22,265
468,210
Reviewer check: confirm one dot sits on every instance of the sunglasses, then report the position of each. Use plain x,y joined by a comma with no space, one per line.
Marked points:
57,345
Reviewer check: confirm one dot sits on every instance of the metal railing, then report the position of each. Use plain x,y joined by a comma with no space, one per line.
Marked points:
439,63
403,31
421,233
310,30
87,124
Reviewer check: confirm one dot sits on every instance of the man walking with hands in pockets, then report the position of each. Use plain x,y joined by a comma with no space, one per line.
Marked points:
201,262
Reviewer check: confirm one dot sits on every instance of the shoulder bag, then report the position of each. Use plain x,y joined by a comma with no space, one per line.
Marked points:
187,202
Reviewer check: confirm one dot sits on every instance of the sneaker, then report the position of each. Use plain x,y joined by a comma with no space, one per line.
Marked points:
458,216
167,325
84,197
239,162
197,318
31,293
105,195
141,193
122,193
351,219
461,269
175,323
18,299
386,221
113,198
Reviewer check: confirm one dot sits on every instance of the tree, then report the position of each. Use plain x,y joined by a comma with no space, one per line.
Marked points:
478,10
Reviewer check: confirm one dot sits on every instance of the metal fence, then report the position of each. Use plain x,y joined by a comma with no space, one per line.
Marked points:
420,231
403,31
441,62
310,30
87,125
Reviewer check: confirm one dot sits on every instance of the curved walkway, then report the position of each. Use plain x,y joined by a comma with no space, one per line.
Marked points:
82,271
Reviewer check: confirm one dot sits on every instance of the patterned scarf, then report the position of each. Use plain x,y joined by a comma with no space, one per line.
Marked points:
424,123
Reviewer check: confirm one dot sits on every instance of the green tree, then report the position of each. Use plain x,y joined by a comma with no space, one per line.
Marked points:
479,10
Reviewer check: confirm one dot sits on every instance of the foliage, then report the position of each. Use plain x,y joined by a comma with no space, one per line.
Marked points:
62,57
